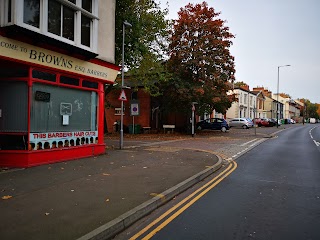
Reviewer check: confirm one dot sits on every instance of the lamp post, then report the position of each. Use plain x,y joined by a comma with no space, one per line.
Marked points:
278,94
124,25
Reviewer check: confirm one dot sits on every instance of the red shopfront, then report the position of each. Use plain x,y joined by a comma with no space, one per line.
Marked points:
51,105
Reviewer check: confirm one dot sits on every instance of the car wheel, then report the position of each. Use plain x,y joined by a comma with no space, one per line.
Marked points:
259,124
223,129
199,128
245,127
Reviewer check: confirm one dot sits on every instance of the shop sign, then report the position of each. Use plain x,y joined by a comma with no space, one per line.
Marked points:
42,96
28,53
66,109
50,140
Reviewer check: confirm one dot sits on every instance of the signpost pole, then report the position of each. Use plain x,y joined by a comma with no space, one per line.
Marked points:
192,120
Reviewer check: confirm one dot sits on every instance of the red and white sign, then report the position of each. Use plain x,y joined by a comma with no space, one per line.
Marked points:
61,135
123,96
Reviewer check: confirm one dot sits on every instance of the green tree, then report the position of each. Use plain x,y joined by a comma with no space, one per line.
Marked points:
200,61
311,109
145,43
239,84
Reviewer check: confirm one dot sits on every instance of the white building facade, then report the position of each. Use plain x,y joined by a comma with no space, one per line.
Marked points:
245,105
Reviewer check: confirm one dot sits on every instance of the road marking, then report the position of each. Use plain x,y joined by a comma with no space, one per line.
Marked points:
206,188
242,145
315,142
257,142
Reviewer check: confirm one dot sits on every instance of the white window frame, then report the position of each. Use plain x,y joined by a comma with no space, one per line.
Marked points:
4,5
17,18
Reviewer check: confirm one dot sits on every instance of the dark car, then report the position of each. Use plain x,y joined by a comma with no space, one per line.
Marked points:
213,124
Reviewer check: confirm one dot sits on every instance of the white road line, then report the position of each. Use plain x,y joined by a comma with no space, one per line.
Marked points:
315,142
242,145
257,142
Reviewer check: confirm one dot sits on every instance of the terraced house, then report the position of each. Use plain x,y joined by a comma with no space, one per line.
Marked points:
244,107
55,58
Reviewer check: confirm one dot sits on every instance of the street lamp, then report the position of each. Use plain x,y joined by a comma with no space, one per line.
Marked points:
278,94
124,25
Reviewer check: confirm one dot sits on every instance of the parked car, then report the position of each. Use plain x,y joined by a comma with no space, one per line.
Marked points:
213,124
289,121
275,121
266,122
240,123
312,120
250,120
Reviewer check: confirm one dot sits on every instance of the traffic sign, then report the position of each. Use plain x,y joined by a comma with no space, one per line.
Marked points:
122,96
135,108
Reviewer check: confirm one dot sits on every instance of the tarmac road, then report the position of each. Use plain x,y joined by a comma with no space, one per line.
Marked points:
70,199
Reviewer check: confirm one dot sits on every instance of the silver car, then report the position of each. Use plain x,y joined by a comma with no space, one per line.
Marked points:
240,123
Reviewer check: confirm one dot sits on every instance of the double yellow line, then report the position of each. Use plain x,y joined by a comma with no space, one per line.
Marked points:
195,196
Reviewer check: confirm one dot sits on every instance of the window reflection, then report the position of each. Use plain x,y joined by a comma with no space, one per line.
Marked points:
68,23
85,30
31,12
54,17
9,11
87,5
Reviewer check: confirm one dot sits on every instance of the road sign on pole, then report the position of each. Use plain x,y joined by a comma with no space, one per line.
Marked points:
123,96
135,108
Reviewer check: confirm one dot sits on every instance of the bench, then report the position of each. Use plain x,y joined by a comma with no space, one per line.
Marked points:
172,127
146,129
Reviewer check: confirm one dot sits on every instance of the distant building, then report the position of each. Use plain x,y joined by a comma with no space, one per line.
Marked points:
245,105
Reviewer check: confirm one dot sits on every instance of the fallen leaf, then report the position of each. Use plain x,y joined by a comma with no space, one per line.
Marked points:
105,174
72,190
62,168
46,213
107,200
6,197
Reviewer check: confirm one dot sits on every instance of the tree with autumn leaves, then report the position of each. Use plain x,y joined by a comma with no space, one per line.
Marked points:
191,62
200,61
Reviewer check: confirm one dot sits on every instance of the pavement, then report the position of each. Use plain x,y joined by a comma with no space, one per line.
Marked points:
98,197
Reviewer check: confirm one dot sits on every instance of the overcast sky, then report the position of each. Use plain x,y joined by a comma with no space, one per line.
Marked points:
272,33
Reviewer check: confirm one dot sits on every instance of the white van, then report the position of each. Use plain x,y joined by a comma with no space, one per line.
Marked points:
312,120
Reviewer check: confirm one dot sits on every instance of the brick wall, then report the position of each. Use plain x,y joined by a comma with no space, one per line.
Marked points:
143,119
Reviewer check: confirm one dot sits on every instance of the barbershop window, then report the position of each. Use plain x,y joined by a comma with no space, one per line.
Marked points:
69,80
43,75
9,11
89,84
61,19
31,12
85,30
